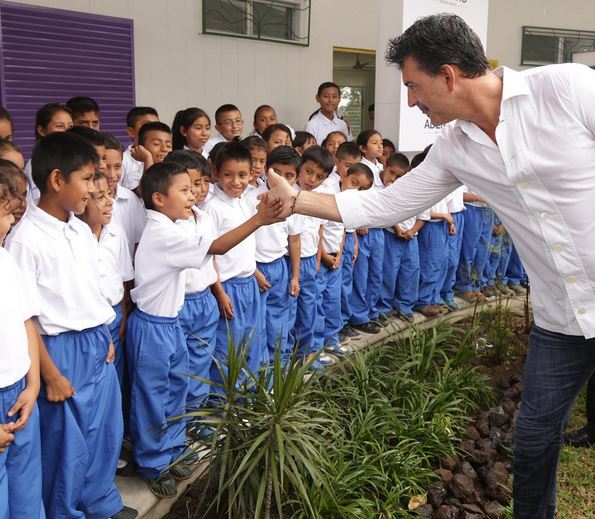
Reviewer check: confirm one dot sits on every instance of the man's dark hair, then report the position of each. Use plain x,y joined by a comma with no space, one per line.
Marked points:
436,40
320,156
89,134
233,151
398,160
348,149
64,151
152,126
285,155
137,112
158,179
81,105
190,160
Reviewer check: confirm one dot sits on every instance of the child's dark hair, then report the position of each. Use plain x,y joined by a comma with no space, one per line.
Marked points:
81,105
362,168
225,108
190,160
327,84
365,136
137,112
254,142
185,119
9,189
389,143
336,132
233,151
44,115
111,142
64,151
348,149
7,145
418,159
89,134
158,179
10,168
301,138
266,135
320,156
398,160
215,151
260,108
152,126
285,155
5,115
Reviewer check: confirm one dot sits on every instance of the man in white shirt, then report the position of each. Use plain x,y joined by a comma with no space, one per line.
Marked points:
506,143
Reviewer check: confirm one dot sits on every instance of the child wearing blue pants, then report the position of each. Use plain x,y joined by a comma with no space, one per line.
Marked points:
499,255
80,400
515,273
456,207
20,447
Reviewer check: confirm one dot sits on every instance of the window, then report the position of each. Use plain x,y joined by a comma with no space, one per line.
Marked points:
543,46
351,106
270,20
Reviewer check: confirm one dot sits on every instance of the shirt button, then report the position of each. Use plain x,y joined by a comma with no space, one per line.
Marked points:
558,247
543,215
571,279
524,185
582,311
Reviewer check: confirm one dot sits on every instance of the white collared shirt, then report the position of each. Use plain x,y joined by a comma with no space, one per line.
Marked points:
410,222
332,184
440,207
475,203
132,170
129,213
61,260
376,169
228,213
332,232
538,178
33,192
115,264
455,200
17,304
320,126
201,224
164,253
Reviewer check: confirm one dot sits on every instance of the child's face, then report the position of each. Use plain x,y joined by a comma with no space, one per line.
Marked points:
259,160
329,100
279,138
60,122
133,132
5,129
333,142
357,181
311,175
102,158
387,151
15,157
6,217
177,203
199,184
113,170
287,171
158,144
75,193
88,119
21,205
233,177
264,118
390,175
231,125
99,208
373,149
198,134
344,164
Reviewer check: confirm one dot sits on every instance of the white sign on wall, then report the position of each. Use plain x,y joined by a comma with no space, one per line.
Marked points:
415,129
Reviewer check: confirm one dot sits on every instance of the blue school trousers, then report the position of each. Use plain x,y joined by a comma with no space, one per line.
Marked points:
347,276
114,329
433,259
479,222
245,329
198,319
328,322
515,273
302,309
455,242
400,279
367,277
504,258
275,309
158,363
81,437
20,474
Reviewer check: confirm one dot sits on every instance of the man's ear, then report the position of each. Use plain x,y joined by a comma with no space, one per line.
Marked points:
450,75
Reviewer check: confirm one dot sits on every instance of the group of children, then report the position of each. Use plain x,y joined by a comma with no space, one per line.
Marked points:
125,270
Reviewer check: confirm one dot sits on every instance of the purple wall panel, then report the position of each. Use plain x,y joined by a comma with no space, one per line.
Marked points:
49,55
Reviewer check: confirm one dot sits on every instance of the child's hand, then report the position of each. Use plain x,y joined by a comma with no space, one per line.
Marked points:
294,287
23,407
362,231
58,389
452,229
408,235
140,153
111,353
225,306
399,233
269,210
263,283
336,263
6,438
327,261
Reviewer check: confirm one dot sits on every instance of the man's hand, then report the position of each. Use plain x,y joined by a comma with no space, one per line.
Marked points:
280,190
58,389
23,407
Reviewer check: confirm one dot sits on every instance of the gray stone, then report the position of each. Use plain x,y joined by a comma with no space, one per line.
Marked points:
463,487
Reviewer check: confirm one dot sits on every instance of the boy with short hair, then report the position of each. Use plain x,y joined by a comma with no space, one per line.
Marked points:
154,143
96,139
20,448
82,435
229,125
85,112
258,150
325,120
156,346
132,162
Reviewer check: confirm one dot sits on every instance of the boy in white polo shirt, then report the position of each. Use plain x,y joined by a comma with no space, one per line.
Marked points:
326,120
156,346
20,448
81,436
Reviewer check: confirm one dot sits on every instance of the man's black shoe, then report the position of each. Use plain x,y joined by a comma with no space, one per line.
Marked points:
368,327
583,437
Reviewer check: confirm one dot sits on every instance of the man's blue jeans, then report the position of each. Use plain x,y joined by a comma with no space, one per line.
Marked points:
557,367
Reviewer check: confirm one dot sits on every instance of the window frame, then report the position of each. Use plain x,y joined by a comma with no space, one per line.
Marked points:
557,34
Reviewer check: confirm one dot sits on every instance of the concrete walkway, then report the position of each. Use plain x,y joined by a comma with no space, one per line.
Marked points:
135,492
